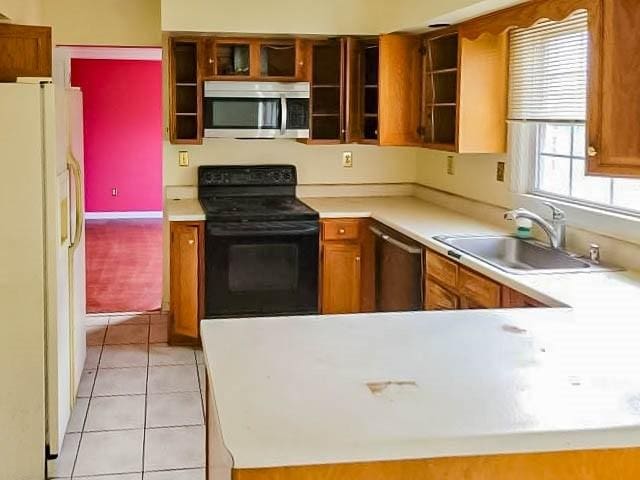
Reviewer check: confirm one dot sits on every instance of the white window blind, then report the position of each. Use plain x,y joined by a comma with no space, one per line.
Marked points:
548,70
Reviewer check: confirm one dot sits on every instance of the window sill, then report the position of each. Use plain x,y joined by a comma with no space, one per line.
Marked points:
611,224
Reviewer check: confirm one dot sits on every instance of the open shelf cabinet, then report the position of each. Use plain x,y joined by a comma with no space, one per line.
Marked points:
185,91
464,91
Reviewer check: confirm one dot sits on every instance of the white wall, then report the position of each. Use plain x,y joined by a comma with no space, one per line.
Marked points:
316,164
26,12
328,17
474,176
104,22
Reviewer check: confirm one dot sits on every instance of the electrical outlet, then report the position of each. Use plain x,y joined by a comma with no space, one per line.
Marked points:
183,158
347,159
451,168
114,192
500,172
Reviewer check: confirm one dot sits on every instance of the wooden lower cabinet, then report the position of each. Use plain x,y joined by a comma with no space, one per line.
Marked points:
341,277
187,281
439,298
514,299
450,286
347,267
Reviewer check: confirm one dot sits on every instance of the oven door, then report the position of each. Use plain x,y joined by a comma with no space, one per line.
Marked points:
261,269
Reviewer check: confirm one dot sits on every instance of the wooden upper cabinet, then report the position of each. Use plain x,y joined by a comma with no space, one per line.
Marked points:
399,84
328,91
25,51
383,90
614,95
255,59
465,91
185,91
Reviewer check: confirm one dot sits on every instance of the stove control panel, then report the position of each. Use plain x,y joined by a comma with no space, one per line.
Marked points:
259,175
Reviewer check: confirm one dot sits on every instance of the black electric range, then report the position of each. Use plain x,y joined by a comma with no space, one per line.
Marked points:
261,243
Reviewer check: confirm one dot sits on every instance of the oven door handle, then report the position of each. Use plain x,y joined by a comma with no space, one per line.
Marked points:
284,113
260,232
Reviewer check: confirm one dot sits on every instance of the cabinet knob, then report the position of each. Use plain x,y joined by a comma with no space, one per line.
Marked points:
191,242
341,231
591,151
210,61
358,258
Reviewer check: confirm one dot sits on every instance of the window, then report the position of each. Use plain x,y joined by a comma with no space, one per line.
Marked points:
547,92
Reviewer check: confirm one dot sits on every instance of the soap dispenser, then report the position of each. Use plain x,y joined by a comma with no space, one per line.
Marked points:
524,227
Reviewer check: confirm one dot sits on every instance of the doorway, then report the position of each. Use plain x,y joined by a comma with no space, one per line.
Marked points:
122,116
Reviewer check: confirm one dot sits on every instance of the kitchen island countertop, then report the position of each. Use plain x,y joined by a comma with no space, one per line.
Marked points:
370,387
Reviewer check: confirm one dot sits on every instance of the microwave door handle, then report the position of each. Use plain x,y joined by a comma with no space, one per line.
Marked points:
283,112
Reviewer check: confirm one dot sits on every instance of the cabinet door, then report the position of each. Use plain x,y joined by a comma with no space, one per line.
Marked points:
513,299
400,89
353,90
185,259
25,51
614,101
438,298
477,291
341,276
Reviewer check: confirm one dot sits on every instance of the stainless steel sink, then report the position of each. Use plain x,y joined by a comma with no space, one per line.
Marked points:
514,255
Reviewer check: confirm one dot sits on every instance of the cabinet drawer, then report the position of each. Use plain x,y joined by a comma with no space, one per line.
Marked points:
439,298
478,289
341,230
442,269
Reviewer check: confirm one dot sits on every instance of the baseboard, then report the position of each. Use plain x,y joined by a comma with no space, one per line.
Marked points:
121,215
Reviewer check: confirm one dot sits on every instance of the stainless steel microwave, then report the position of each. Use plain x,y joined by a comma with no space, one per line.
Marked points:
256,109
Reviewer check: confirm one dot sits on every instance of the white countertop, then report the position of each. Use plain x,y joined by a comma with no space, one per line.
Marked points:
293,390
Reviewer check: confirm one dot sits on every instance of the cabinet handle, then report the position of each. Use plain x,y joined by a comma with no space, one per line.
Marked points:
592,151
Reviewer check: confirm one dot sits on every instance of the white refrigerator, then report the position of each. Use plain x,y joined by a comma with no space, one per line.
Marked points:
42,277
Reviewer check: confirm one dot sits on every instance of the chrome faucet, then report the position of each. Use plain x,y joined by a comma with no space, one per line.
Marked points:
555,230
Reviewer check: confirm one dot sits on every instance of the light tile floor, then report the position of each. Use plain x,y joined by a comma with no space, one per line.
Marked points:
139,412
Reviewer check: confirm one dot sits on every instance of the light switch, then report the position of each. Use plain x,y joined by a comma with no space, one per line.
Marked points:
500,172
347,159
451,168
183,158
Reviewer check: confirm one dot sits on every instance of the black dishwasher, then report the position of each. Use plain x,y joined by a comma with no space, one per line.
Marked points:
399,272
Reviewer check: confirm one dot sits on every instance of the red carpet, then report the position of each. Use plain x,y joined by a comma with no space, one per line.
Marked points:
124,265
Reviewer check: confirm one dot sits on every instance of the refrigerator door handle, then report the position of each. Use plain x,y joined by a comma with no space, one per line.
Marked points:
74,167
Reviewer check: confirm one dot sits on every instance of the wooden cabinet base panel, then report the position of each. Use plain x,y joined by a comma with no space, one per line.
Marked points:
618,464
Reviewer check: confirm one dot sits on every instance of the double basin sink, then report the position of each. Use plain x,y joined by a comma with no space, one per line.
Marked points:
517,256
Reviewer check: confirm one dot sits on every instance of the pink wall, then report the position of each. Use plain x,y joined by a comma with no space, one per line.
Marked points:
122,133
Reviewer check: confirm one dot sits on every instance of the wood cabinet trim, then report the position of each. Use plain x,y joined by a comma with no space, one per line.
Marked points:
522,16
604,464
